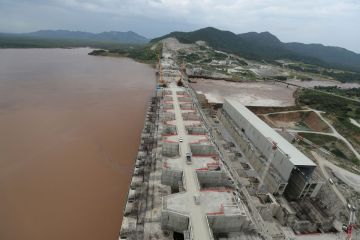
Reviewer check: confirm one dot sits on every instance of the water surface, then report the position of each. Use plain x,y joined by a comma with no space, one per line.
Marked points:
69,131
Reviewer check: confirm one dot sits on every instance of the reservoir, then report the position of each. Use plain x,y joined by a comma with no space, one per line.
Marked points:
70,128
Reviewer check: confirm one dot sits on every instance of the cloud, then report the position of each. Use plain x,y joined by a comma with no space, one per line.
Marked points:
333,22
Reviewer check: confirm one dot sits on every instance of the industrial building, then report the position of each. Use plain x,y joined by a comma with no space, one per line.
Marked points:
204,202
218,172
284,168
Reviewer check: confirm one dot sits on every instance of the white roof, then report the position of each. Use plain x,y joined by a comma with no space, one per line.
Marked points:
296,157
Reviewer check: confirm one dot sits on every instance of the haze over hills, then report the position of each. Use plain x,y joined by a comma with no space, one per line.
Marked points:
112,36
252,45
266,46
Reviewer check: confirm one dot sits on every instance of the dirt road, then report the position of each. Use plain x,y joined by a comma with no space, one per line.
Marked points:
333,132
322,163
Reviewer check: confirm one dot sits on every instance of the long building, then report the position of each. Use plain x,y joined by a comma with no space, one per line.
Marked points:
290,172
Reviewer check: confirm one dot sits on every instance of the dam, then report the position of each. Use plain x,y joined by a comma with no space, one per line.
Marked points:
195,197
180,184
218,173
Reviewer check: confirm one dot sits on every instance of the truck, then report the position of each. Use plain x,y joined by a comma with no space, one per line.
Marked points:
188,158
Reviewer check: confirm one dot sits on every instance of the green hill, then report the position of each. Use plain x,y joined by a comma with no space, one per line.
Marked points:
265,46
64,38
112,36
335,56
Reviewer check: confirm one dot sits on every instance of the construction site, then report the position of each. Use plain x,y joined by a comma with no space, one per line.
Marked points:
220,171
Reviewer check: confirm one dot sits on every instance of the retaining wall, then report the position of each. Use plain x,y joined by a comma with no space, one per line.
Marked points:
168,106
187,106
209,179
168,116
194,130
168,98
228,223
169,130
170,149
171,177
202,149
190,117
173,221
184,99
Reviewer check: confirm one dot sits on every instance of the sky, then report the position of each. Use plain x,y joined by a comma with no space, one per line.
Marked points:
330,22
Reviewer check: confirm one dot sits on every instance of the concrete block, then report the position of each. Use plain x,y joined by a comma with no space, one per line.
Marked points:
196,130
224,223
171,177
170,149
202,149
173,221
210,179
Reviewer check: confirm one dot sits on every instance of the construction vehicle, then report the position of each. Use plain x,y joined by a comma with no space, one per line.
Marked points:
188,158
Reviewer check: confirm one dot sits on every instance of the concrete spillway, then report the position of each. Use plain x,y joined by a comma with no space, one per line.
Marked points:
180,183
195,198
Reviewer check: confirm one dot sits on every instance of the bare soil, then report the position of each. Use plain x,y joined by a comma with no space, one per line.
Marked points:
247,93
298,120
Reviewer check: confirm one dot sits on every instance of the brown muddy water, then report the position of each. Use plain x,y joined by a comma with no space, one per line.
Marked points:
70,127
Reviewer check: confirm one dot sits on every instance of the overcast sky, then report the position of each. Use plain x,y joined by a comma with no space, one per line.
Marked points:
331,22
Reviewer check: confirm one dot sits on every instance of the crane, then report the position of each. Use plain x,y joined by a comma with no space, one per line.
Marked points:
268,163
161,79
351,225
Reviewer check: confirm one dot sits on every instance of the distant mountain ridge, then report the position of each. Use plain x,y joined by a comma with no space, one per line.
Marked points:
112,36
266,46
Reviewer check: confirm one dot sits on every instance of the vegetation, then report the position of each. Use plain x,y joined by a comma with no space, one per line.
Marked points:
318,139
248,75
350,93
332,144
203,55
281,78
342,76
334,57
211,63
227,42
63,38
338,110
35,42
189,58
339,107
99,52
217,55
265,46
145,54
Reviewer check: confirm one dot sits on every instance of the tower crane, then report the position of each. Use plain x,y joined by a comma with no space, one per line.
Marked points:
268,163
352,220
162,82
